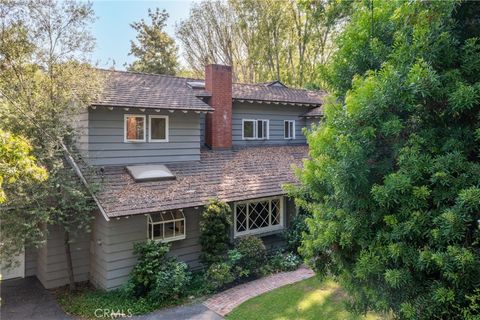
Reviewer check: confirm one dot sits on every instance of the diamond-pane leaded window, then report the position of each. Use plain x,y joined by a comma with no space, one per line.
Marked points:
241,218
257,216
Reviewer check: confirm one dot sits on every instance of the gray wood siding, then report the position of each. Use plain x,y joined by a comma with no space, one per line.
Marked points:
106,144
276,114
31,256
52,264
112,247
80,125
202,130
112,257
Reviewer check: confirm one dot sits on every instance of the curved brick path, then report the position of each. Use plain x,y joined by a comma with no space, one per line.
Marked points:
224,302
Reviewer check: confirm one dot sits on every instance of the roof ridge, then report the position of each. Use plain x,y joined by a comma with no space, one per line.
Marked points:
260,84
148,74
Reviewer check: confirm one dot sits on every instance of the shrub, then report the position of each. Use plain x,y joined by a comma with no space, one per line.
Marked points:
155,275
218,275
215,226
293,235
280,262
252,253
170,282
151,258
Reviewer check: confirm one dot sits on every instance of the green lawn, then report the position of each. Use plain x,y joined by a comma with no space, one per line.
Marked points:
313,298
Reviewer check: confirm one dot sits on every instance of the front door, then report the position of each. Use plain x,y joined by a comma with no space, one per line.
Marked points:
16,271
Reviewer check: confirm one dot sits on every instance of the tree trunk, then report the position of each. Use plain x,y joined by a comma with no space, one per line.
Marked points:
68,255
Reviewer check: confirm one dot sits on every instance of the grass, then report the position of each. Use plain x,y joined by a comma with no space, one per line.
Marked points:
314,298
90,303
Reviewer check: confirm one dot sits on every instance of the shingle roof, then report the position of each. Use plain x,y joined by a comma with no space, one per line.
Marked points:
276,93
140,90
315,112
229,175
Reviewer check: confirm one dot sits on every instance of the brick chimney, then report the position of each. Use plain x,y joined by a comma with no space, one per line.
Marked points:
218,124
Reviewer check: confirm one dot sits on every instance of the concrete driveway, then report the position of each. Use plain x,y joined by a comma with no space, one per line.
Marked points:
27,299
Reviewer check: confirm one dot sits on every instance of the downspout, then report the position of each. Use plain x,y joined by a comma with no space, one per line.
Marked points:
74,165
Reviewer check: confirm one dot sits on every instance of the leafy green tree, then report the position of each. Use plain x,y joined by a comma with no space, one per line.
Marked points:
263,40
214,231
45,82
393,182
155,50
17,163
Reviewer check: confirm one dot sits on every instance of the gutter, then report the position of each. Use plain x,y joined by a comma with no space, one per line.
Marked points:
74,165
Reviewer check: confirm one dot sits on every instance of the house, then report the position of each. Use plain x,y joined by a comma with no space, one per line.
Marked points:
162,146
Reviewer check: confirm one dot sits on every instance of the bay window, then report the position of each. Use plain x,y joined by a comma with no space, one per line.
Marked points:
166,226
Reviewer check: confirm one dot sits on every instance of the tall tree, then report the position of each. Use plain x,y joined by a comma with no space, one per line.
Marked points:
393,183
155,50
45,83
263,40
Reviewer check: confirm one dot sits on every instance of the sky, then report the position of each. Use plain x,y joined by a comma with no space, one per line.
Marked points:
112,28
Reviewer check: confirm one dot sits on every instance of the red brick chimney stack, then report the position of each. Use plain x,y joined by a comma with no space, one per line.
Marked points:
218,124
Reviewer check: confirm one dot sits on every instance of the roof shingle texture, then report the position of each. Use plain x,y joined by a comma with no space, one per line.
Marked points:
276,93
140,90
228,175
315,112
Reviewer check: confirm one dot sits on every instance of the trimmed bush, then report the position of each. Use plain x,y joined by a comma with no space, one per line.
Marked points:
253,254
218,275
155,275
215,226
170,282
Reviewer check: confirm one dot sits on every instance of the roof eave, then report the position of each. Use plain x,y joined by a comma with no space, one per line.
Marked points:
207,108
309,104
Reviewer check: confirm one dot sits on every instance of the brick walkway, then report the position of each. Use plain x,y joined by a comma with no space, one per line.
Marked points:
224,302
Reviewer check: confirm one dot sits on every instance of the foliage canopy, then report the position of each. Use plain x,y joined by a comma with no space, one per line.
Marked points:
393,182
154,49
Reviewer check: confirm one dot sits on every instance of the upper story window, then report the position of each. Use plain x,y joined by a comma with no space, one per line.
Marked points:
289,129
158,129
255,129
258,216
134,128
166,226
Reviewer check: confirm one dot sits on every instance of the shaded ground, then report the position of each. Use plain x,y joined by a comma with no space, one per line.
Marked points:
27,299
310,299
186,312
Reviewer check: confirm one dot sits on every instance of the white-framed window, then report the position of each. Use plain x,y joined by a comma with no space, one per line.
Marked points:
158,129
255,129
289,129
258,216
134,128
166,226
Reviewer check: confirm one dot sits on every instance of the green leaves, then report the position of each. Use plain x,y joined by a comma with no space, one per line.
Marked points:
394,176
463,98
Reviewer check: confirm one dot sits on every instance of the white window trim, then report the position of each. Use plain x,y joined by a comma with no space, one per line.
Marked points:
277,227
125,116
293,130
255,129
150,224
150,129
